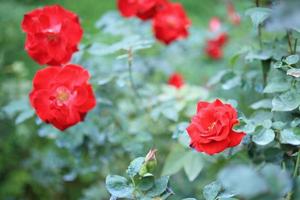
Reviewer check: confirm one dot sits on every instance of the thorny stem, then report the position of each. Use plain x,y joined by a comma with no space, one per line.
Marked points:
133,86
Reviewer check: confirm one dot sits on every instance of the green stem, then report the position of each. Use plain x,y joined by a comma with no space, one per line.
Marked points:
295,45
296,170
133,86
289,37
295,174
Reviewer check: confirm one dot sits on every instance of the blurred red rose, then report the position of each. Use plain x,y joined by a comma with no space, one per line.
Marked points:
53,34
222,39
213,50
214,47
62,95
176,80
214,24
171,23
211,128
233,16
143,9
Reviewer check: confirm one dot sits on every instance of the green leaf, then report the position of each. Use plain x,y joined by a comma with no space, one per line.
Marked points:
292,59
175,161
146,183
217,77
118,186
264,103
277,82
160,185
231,83
242,180
277,64
211,191
287,101
258,15
193,165
287,136
135,166
264,137
293,72
23,116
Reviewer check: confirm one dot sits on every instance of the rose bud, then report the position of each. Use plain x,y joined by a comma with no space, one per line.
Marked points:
52,34
211,129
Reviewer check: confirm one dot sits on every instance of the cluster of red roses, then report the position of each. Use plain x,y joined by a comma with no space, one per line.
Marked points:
214,46
170,21
61,94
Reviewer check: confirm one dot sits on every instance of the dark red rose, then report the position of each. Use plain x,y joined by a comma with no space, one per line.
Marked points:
143,9
213,50
171,23
176,80
214,24
211,128
62,95
52,34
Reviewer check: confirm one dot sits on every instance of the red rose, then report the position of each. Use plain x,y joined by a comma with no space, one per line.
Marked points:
171,23
222,39
233,16
176,80
62,95
214,24
213,50
144,9
211,128
214,46
53,34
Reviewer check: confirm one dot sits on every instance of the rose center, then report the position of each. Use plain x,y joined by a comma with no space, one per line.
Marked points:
51,37
62,95
212,126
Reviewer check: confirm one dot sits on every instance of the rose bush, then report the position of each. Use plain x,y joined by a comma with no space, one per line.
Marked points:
242,142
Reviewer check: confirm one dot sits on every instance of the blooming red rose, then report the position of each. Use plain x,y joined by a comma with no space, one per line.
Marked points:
62,95
144,9
176,80
211,128
171,23
52,34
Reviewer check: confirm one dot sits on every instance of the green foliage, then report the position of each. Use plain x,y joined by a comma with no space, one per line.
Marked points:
138,186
